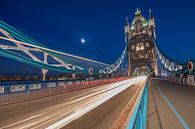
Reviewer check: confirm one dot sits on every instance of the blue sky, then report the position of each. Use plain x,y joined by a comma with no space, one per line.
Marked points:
60,25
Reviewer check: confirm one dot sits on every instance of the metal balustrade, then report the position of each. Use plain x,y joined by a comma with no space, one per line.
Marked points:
18,91
138,118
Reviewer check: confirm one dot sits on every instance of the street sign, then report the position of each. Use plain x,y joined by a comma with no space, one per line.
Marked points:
2,89
17,88
35,86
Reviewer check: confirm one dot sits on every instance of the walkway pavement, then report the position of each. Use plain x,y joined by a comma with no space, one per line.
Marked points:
170,105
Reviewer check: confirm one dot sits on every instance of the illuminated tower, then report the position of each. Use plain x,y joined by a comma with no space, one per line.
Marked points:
140,36
151,24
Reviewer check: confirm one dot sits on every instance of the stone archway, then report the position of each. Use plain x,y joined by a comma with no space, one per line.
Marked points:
141,70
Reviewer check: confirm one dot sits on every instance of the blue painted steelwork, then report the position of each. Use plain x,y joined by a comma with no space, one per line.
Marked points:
168,66
59,61
6,87
138,118
64,63
43,85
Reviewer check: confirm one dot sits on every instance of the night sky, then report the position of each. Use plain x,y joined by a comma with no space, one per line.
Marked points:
60,24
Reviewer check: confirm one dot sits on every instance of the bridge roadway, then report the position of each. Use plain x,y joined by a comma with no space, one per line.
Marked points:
170,105
94,108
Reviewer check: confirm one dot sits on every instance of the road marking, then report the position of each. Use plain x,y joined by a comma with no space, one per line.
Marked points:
108,95
172,107
53,118
28,125
102,90
23,120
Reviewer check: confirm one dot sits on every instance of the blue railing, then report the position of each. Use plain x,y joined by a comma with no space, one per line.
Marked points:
17,91
64,85
16,87
139,118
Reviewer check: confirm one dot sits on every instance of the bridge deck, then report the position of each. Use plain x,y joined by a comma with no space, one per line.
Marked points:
171,105
96,108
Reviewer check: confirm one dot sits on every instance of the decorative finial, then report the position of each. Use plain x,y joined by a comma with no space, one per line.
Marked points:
126,21
137,11
150,13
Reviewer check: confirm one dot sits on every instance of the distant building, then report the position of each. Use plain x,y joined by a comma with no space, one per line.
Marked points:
139,35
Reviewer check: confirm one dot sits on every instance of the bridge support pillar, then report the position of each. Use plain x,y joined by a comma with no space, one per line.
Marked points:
73,76
191,80
44,73
156,68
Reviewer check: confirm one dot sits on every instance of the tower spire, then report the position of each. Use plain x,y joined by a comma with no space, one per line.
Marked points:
150,13
126,29
137,11
126,21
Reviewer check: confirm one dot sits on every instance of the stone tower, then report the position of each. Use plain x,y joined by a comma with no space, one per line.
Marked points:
140,36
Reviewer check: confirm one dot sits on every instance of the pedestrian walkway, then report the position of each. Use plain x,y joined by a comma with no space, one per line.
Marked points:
170,105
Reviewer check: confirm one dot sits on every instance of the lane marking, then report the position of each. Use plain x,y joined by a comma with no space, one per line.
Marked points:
172,107
24,120
28,125
51,119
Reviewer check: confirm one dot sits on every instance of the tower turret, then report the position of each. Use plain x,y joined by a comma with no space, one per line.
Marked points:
127,31
151,22
140,44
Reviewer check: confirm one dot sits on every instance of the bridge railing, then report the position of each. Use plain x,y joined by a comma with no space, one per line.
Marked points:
138,118
11,92
188,80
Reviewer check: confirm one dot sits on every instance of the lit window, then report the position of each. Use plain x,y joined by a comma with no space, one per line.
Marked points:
146,56
144,31
147,44
132,46
139,47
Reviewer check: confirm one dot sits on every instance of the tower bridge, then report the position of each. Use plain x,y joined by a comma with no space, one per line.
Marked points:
157,93
139,36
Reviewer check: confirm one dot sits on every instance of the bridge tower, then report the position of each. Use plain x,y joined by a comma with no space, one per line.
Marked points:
140,36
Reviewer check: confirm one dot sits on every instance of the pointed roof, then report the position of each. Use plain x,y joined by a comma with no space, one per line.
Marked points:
138,16
150,14
126,21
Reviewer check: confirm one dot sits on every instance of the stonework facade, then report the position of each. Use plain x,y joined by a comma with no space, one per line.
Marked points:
140,36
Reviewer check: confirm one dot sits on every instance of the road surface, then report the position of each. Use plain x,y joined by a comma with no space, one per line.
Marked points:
60,110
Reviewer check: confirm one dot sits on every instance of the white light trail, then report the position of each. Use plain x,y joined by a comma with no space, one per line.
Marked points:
120,86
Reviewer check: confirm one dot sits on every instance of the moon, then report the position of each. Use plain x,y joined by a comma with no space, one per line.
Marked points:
82,40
